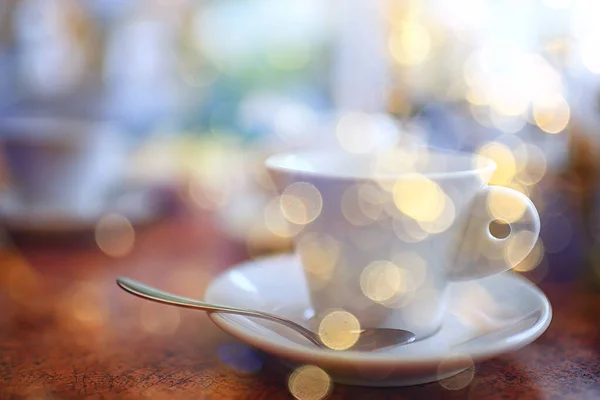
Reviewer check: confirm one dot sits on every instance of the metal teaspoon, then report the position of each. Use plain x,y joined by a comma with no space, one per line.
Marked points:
369,339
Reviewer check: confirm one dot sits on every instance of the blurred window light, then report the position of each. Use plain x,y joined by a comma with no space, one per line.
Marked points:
559,4
509,80
461,14
235,34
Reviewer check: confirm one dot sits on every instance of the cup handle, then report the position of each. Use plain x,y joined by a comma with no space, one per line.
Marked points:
480,254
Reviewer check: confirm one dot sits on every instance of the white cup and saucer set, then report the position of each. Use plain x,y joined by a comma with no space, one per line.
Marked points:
396,239
63,175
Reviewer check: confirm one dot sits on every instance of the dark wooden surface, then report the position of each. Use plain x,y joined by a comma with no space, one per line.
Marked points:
67,331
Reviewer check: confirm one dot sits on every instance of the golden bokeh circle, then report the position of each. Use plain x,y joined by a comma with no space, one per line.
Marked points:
339,330
277,223
382,280
532,164
419,198
506,167
319,254
518,248
505,206
301,203
444,221
533,259
310,383
413,266
552,115
460,380
409,43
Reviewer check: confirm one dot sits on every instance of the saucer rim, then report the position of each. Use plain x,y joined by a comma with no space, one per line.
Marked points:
323,356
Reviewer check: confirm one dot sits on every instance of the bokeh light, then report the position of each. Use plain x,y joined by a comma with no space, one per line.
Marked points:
518,247
552,114
409,43
506,167
115,235
339,330
444,221
531,163
362,204
419,198
533,259
540,272
507,123
371,200
310,383
460,380
482,115
319,254
505,206
413,267
476,96
277,223
382,280
408,230
301,203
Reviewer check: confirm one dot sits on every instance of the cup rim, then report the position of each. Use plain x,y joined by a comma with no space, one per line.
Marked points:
276,161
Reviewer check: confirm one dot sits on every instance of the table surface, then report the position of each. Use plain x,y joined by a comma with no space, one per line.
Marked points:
67,331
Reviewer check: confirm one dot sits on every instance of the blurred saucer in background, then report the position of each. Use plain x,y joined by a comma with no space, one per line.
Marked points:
140,205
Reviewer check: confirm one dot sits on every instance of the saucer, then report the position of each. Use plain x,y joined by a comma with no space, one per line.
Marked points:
136,203
485,318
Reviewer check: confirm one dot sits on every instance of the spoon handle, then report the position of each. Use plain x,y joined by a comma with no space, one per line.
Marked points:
159,296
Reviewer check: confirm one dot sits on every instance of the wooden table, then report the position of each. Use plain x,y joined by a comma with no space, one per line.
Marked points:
67,331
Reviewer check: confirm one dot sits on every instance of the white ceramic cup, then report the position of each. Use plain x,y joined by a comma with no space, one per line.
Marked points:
61,166
382,235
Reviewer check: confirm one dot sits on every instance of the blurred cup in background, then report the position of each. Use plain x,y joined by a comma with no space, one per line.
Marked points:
61,166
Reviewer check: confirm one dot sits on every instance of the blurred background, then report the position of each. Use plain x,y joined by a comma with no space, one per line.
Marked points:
115,113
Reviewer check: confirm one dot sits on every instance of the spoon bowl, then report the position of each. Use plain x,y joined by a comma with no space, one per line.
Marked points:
369,339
